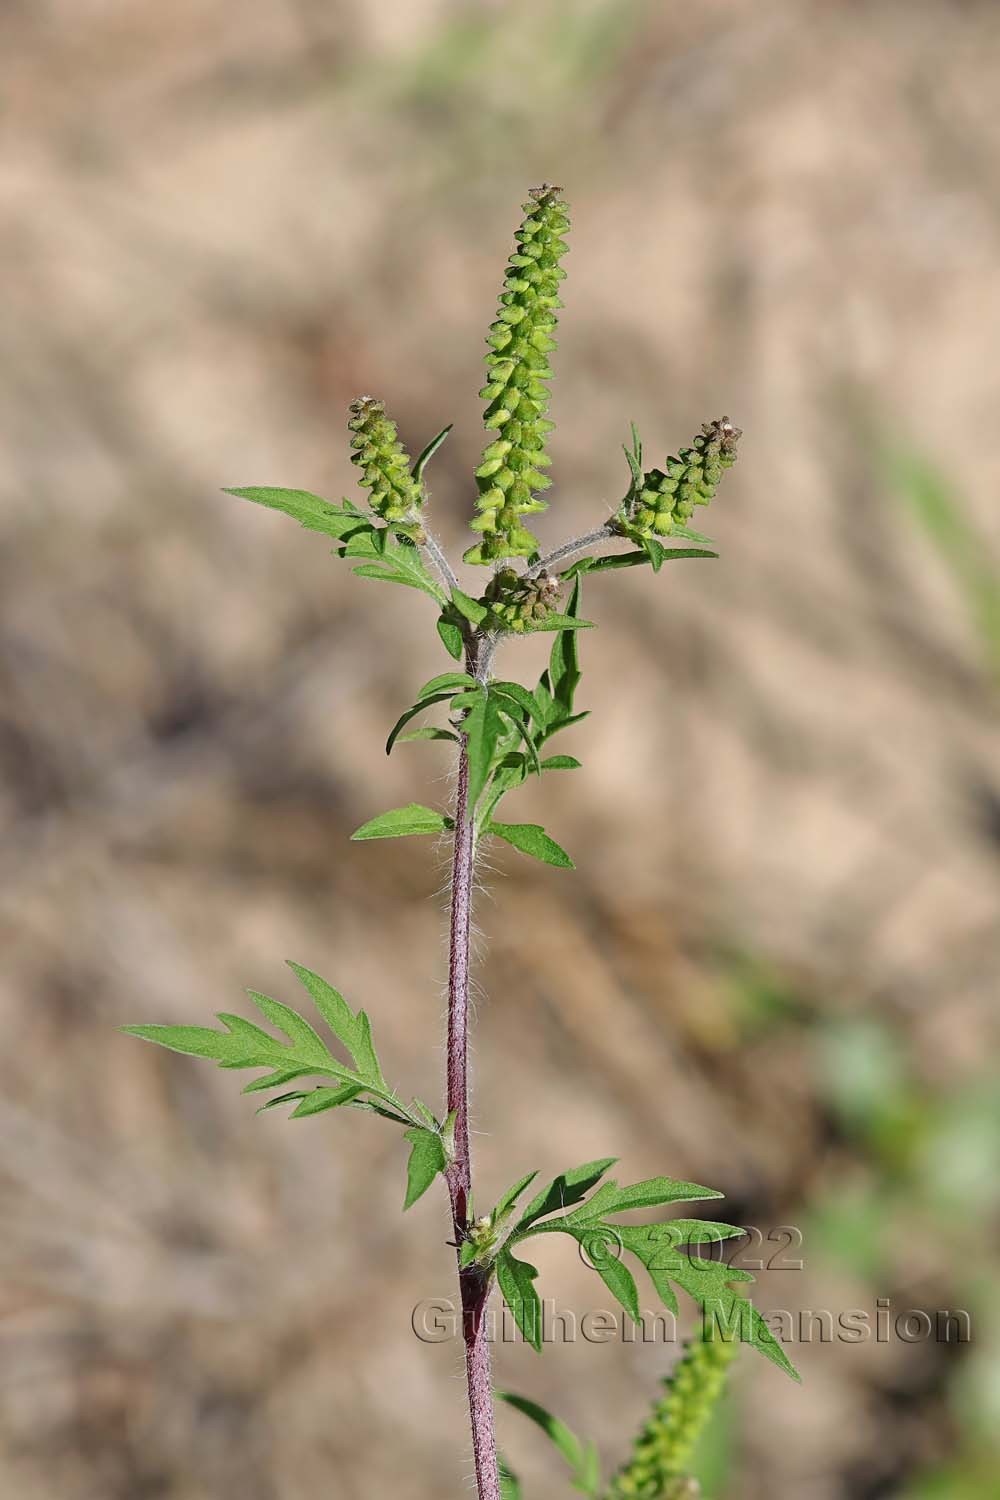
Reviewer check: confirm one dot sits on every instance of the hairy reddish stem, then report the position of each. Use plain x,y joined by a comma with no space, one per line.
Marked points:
473,1284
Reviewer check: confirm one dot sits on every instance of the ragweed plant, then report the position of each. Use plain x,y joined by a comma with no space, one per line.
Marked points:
498,730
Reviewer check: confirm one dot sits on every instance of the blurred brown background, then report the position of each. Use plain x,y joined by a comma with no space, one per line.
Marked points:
775,969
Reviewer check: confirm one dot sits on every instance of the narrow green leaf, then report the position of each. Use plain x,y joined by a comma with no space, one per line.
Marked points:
732,1315
654,552
513,712
451,638
354,1031
426,1114
411,713
426,1161
452,682
429,452
510,1485
561,763
482,726
399,822
566,1441
280,1099
691,535
245,1045
510,1197
636,1239
471,608
196,1041
515,1279
429,732
276,1080
619,1281
630,560
376,1107
564,662
565,1190
312,512
321,1099
635,468
520,695
531,838
559,622
647,1194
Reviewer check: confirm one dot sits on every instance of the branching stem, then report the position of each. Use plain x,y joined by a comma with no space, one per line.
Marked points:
589,539
436,553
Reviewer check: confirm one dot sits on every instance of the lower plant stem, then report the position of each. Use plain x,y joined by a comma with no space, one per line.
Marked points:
473,1284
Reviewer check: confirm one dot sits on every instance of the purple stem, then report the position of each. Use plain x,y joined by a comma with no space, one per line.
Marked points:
473,1284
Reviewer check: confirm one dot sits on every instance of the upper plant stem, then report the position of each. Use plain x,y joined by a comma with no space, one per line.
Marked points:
589,539
437,556
473,1282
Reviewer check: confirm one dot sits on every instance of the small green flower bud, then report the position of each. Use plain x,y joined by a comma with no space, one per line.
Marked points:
384,463
669,495
517,394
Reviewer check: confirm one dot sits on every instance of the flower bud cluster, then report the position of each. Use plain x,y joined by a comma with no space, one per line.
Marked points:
516,603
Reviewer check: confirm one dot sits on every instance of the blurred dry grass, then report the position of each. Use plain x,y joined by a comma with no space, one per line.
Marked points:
218,227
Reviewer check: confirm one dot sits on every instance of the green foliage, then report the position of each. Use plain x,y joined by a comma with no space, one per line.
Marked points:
582,1458
309,510
243,1044
501,728
510,1485
428,453
511,470
532,839
427,1159
390,553
660,500
931,500
663,1249
394,493
399,822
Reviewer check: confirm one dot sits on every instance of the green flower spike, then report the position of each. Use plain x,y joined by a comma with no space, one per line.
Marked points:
383,461
517,603
663,1449
665,499
517,394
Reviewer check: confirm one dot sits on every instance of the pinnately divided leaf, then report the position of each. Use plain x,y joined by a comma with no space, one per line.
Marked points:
400,822
354,1031
663,1249
243,1044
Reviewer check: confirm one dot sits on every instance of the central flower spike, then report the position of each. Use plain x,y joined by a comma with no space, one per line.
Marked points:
667,497
520,342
